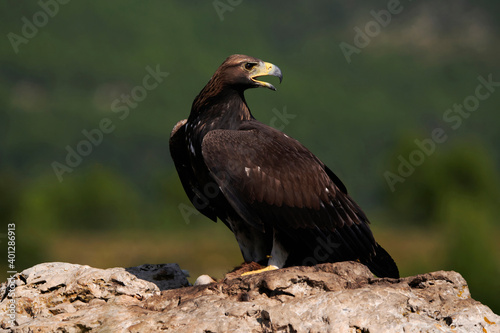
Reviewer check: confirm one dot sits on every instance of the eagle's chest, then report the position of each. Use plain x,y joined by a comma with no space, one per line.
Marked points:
195,132
205,185
197,164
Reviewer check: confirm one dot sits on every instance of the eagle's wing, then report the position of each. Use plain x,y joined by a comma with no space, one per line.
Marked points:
270,178
180,156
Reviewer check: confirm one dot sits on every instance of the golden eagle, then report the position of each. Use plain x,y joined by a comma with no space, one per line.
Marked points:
284,206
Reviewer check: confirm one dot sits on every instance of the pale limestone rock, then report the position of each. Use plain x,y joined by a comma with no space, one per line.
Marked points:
340,297
203,279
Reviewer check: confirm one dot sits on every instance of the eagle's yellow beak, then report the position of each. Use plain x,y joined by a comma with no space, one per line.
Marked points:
263,69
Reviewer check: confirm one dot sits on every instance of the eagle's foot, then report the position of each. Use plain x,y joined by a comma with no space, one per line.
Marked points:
265,269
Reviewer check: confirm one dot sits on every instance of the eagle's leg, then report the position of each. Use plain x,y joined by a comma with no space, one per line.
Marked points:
277,258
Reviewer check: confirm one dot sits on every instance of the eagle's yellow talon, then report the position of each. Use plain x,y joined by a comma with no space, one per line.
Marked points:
265,269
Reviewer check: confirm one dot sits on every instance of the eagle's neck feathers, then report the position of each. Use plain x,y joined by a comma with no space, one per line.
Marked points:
218,107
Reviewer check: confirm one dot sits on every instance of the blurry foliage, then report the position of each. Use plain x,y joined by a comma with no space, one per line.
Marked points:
472,246
455,192
95,198
66,78
464,167
9,196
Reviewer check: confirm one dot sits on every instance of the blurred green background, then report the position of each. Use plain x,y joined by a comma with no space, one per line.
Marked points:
120,205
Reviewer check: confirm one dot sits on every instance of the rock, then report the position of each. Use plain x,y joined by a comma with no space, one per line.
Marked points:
165,276
340,297
203,279
61,290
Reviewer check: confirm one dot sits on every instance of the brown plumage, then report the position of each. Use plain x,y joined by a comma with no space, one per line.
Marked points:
276,196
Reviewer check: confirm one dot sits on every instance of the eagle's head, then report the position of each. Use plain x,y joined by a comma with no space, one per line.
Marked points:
241,72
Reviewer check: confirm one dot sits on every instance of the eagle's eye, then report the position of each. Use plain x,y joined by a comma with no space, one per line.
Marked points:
249,66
